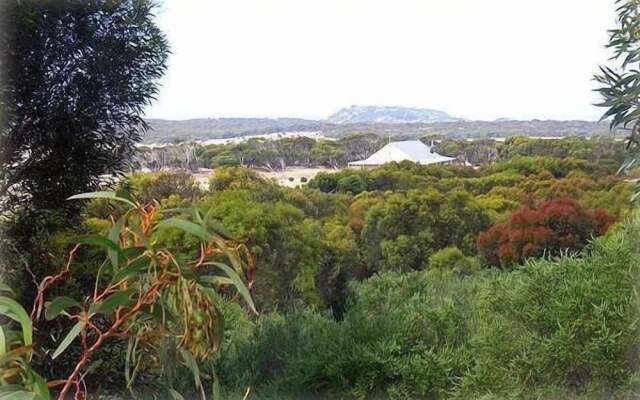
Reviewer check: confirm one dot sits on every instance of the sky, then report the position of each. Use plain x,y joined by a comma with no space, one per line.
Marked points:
476,59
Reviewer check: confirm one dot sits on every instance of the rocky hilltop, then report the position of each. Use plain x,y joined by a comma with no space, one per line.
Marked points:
389,115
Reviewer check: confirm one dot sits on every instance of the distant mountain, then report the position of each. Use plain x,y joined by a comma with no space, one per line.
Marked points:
389,115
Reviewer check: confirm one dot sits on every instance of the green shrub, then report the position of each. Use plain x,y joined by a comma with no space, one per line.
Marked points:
551,329
451,258
161,185
353,183
325,182
570,322
402,335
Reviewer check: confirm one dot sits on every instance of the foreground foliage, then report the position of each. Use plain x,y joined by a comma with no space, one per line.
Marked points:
75,77
565,327
164,304
620,82
18,380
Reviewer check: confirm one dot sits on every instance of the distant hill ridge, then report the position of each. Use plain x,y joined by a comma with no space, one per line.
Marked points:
389,115
397,122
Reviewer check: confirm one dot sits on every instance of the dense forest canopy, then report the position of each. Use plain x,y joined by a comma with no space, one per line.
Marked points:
392,218
325,256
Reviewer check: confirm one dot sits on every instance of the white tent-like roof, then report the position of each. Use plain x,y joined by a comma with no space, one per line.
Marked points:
409,150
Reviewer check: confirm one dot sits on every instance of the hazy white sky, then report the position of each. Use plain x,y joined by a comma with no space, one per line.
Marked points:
479,59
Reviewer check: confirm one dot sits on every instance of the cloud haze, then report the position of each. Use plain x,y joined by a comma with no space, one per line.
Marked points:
480,59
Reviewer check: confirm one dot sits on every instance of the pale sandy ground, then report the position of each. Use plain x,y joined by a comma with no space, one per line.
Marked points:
238,139
202,177
281,177
284,177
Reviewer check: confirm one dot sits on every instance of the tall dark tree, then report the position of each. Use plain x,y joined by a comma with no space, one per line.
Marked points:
75,76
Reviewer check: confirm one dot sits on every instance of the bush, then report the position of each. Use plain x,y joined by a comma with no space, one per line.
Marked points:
411,344
161,185
451,258
353,183
406,253
225,159
324,181
246,179
570,322
552,227
403,230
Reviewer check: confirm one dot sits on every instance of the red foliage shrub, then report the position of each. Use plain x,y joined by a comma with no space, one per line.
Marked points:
552,226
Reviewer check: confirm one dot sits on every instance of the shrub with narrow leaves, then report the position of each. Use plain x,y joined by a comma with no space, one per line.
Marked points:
163,303
17,379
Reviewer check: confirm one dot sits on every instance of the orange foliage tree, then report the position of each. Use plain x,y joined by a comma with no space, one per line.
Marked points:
553,226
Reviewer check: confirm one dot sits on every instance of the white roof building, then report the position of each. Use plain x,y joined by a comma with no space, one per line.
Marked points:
409,150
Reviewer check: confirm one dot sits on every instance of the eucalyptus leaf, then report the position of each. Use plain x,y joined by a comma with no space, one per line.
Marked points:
58,305
175,395
18,395
195,371
3,342
186,226
71,335
107,195
13,310
118,299
98,241
114,234
134,268
40,387
237,282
